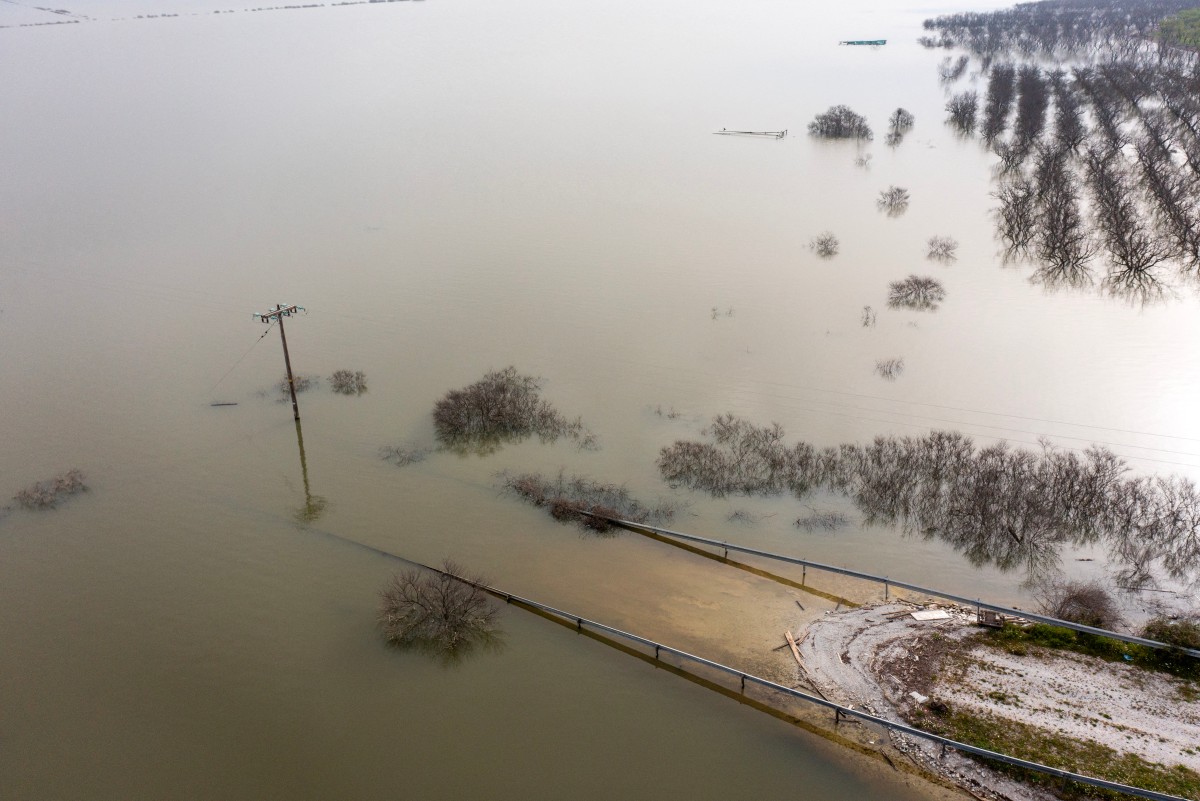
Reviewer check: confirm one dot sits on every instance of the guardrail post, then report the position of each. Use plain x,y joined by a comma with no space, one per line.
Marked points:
803,575
837,715
885,588
656,647
579,624
743,684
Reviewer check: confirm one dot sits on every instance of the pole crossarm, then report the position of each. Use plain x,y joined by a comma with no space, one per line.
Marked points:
278,312
276,315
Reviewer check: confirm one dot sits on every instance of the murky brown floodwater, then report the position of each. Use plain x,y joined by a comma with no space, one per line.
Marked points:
451,187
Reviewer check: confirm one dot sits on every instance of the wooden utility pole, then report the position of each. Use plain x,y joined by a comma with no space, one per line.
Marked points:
277,315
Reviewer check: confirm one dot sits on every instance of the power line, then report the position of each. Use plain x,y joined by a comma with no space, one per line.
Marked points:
241,359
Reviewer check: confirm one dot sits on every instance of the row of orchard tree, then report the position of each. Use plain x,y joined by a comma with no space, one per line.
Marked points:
1098,161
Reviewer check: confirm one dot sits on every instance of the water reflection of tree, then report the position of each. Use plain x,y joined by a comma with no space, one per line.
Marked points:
998,505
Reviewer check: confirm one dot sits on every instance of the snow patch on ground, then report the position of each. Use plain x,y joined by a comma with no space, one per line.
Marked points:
869,658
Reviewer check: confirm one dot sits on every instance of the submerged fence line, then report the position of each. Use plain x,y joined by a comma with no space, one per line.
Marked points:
888,582
840,711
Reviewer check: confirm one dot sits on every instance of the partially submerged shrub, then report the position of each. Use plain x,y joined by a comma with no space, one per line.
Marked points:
401,456
47,494
917,292
822,520
893,200
868,317
889,368
824,244
347,382
445,613
942,248
303,383
503,405
1086,603
840,122
567,500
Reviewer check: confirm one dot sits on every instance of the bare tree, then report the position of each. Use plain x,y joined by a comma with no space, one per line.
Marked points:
1134,248
581,500
893,200
950,71
889,368
900,123
998,102
445,612
840,122
1032,101
942,248
917,292
962,109
1016,217
348,382
1086,603
1069,129
824,244
503,405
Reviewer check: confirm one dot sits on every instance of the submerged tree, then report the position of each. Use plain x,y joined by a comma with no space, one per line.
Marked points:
49,493
348,382
824,244
1016,217
584,501
942,248
962,109
900,123
893,200
445,612
1010,507
917,292
503,405
840,122
998,102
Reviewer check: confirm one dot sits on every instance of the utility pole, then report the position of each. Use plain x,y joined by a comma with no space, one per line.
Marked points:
277,315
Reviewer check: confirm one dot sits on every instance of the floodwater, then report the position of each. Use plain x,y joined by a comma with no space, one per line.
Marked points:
448,188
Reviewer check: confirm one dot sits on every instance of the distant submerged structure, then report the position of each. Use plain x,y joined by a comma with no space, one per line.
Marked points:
874,42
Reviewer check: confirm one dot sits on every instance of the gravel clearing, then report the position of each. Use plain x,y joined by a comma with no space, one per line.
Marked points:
875,658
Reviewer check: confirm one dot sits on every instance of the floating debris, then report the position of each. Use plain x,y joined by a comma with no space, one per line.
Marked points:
769,134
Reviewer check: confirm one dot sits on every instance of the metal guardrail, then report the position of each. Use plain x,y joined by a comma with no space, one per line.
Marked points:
839,710
890,582
744,677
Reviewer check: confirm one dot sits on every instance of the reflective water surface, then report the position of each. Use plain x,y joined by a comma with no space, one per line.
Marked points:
451,188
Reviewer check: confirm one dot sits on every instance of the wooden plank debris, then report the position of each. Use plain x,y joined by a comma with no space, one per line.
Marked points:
931,614
795,650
